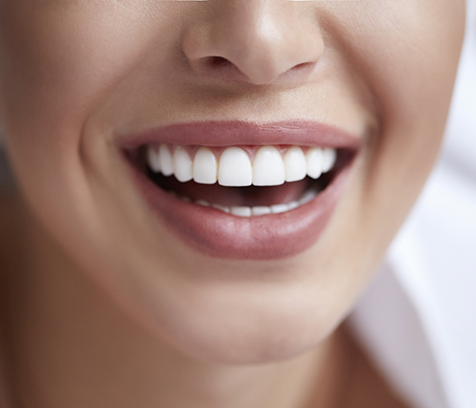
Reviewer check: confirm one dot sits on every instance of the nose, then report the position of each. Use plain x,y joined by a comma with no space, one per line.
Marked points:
254,41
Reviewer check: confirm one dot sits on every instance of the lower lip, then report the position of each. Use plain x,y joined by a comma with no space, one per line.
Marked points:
221,235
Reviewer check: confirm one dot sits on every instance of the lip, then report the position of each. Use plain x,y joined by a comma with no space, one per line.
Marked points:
236,133
221,235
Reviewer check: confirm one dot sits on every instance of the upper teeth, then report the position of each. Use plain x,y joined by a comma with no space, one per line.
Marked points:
235,168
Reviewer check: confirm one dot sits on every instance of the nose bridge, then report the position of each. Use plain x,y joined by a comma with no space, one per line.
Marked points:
262,38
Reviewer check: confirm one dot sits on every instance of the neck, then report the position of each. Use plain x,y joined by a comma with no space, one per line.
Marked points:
75,347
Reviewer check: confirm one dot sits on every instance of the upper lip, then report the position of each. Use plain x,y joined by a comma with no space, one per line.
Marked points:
235,133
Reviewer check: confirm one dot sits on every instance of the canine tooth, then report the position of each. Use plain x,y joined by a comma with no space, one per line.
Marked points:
153,159
205,167
268,167
241,211
182,165
279,208
203,203
314,159
295,164
221,208
330,156
234,169
166,161
260,210
186,199
309,196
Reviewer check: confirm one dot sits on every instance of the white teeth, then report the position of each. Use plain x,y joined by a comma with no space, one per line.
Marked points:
203,203
294,204
315,161
221,208
274,209
241,211
153,159
295,164
309,196
260,210
279,208
182,165
268,167
330,156
205,167
166,161
252,211
235,168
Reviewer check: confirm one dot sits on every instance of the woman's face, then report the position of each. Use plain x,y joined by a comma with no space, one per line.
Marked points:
90,88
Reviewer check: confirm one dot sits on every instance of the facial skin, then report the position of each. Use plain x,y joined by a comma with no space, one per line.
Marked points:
77,76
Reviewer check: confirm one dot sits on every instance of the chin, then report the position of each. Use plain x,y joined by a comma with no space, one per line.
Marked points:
242,344
249,326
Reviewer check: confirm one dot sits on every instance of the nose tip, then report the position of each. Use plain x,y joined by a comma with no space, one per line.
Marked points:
255,41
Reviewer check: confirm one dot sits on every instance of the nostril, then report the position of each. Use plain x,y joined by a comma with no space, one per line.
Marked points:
303,68
303,65
217,62
216,66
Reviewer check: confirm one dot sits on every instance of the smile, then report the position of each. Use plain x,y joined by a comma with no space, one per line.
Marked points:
245,200
239,167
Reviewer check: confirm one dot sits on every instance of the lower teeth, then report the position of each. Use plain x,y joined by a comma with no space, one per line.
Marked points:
254,211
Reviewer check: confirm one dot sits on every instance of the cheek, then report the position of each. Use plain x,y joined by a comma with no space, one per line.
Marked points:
408,63
410,67
56,64
413,81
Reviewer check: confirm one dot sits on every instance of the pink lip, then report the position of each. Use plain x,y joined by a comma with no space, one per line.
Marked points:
235,133
221,235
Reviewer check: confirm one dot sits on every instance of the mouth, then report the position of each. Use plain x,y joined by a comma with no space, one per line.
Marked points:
229,198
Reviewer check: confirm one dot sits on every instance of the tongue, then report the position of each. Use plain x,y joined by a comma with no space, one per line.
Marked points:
237,196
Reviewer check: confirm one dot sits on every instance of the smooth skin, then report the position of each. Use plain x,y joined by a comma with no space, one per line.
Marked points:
105,307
